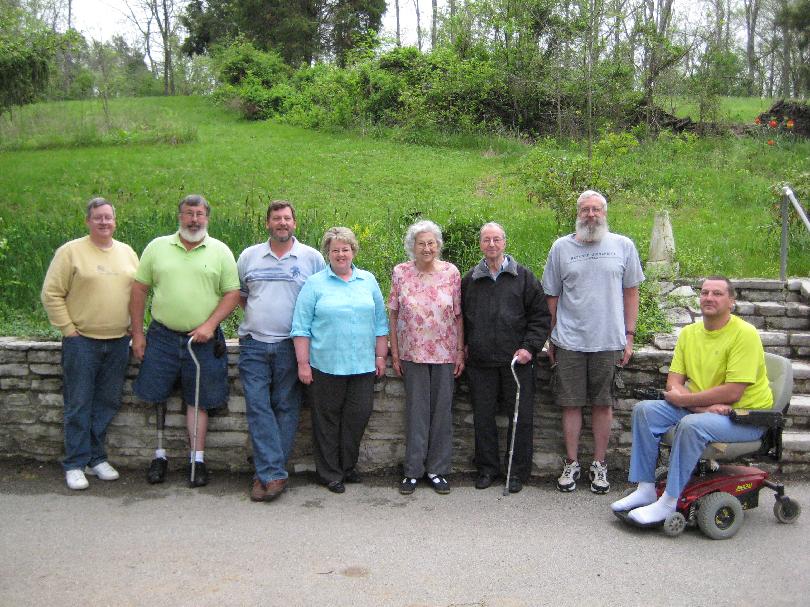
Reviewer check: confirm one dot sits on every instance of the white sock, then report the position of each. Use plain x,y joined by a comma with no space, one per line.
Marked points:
160,453
655,512
196,456
644,495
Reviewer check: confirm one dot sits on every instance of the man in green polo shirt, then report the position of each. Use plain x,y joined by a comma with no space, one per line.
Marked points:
195,286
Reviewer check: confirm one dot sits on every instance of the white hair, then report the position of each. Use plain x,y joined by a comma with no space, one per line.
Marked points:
588,194
491,224
418,228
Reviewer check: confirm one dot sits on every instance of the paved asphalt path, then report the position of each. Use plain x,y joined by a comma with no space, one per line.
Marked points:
129,543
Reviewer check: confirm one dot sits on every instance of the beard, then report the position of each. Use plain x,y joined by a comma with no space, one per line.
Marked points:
193,236
591,232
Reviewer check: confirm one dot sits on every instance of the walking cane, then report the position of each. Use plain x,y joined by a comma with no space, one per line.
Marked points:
196,409
514,428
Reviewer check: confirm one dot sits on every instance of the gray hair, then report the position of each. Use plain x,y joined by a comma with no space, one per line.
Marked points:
418,228
588,194
491,224
338,233
194,200
96,203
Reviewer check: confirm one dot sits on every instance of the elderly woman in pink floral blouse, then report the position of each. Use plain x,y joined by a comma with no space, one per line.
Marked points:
427,349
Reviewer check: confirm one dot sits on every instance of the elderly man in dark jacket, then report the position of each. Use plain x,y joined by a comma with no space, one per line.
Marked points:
505,317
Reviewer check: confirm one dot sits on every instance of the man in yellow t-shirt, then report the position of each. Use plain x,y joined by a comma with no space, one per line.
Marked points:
85,293
719,365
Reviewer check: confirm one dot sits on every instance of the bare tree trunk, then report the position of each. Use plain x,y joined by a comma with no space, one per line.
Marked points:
418,25
70,14
751,16
396,8
786,43
433,24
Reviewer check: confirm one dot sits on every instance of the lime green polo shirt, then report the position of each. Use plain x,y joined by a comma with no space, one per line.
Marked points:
732,354
186,285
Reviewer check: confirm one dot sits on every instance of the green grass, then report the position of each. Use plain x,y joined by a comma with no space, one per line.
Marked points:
70,124
736,110
717,190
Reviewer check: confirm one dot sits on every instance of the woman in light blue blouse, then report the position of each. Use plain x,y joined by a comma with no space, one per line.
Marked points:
340,334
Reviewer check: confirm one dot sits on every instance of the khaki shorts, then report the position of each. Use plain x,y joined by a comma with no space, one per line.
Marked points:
584,378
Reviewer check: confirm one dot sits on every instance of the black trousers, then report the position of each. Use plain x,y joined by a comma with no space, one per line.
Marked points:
341,409
489,387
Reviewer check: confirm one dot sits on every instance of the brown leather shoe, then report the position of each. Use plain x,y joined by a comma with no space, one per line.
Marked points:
267,492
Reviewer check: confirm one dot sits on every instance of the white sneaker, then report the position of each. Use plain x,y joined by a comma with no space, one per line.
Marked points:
103,471
76,480
569,477
598,475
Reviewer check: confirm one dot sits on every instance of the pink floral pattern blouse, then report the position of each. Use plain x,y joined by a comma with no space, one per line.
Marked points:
427,305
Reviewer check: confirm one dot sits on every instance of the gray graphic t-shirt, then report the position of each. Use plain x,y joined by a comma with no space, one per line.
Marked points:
589,279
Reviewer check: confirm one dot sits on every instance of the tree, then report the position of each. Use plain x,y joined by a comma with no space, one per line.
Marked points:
165,15
27,52
302,31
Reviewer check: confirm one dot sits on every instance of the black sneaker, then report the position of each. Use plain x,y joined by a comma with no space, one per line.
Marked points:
440,484
515,484
200,475
157,470
407,486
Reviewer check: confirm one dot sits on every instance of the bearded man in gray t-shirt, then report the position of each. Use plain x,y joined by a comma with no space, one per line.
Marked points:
591,283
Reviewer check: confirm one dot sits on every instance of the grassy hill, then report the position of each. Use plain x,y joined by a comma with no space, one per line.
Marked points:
146,154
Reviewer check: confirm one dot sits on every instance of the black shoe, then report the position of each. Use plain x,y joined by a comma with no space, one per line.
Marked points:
407,486
157,470
515,484
200,475
336,487
440,484
352,476
484,480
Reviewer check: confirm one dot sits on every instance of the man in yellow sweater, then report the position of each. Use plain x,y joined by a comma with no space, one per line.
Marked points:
723,361
86,295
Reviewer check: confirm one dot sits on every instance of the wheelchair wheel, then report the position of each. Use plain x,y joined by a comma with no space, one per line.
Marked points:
674,524
719,515
786,510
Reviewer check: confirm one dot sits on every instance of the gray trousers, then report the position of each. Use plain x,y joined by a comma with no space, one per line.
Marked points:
341,409
429,421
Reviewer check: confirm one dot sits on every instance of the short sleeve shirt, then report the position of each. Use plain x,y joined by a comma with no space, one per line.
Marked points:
271,286
732,354
589,279
187,286
427,306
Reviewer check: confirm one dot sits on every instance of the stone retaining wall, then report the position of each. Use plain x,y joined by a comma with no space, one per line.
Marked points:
31,418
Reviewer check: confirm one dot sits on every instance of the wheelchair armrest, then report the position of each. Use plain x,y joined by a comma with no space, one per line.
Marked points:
758,417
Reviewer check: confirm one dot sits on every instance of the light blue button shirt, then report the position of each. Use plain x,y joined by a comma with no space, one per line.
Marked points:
342,319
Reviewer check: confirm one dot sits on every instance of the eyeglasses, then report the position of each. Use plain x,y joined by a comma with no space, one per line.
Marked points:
426,245
193,215
495,240
589,210
102,219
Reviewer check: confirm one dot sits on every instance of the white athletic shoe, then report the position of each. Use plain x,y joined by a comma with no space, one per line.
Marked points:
569,477
103,471
76,480
598,475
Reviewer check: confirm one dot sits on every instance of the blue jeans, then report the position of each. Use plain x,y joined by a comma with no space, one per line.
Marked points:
93,377
693,431
269,374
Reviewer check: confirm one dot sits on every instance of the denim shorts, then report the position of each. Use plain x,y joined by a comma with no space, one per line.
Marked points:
167,358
